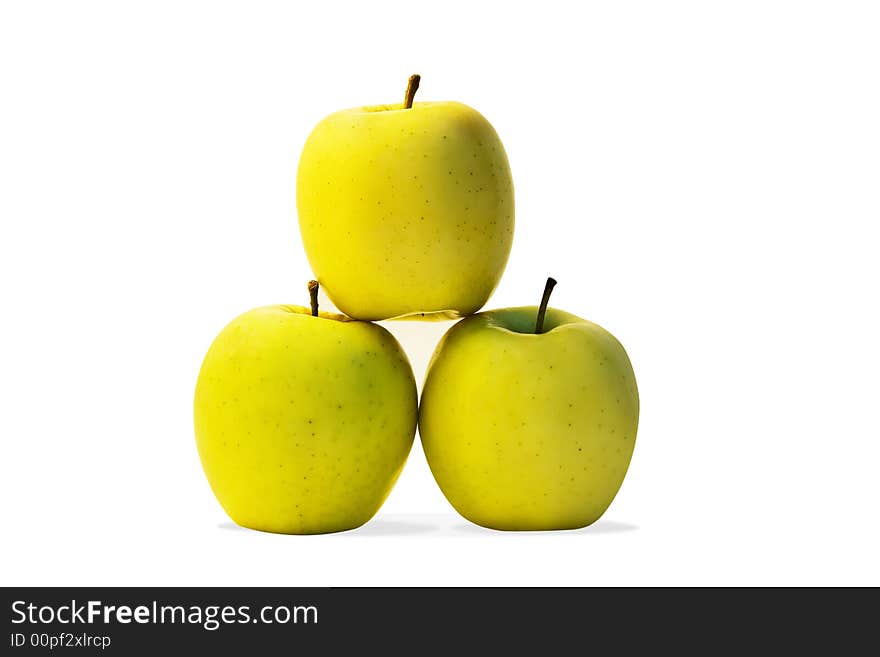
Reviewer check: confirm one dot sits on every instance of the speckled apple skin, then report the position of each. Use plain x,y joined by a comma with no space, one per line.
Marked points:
524,431
406,211
303,423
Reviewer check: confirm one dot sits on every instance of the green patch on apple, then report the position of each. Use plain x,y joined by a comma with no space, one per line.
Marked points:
528,418
303,420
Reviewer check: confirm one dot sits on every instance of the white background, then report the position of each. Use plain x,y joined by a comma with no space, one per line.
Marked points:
702,179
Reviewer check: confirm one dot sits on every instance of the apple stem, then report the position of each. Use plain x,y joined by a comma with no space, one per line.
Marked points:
542,309
313,297
411,88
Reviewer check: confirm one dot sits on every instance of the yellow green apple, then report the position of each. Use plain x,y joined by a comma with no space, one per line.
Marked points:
406,208
303,420
528,418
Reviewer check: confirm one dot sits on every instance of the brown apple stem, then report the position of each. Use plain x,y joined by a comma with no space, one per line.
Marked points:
411,88
542,309
313,297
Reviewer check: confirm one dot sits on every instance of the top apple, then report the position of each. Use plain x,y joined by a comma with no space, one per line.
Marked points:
406,208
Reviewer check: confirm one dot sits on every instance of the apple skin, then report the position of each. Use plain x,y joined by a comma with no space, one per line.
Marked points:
303,423
525,431
406,211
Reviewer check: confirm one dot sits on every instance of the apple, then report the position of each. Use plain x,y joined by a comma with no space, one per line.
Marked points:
303,420
406,208
528,418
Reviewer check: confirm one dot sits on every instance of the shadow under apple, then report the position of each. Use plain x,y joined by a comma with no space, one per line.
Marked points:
599,527
377,527
419,526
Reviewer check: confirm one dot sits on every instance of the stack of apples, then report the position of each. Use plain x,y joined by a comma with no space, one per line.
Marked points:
304,419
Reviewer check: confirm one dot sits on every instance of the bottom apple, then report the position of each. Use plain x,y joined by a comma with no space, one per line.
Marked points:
528,418
303,421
